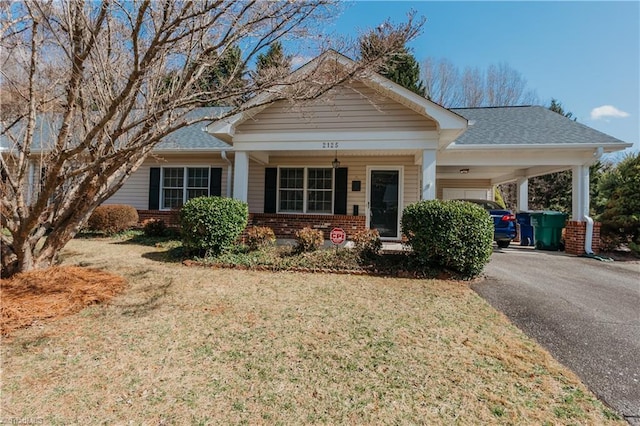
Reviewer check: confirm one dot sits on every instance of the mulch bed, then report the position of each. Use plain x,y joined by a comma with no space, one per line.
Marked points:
46,295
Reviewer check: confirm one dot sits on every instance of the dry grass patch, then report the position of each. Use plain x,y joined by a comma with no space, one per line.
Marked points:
215,346
54,293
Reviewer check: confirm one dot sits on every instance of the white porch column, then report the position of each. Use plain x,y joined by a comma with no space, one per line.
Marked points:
523,194
580,192
429,174
241,176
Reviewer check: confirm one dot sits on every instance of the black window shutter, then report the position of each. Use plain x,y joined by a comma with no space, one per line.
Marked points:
215,182
270,189
340,193
154,188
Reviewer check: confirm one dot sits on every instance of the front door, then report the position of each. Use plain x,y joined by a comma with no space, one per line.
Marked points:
384,202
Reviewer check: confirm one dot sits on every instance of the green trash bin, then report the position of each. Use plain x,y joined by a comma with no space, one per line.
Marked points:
547,228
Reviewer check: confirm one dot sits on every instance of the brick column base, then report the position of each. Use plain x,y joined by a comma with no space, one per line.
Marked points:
575,232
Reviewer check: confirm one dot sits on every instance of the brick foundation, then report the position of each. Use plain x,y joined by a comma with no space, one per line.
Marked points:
285,225
170,217
574,236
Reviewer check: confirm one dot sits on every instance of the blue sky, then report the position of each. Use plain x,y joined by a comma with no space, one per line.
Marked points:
585,54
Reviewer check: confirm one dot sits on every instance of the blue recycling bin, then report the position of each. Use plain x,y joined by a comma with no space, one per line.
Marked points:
526,229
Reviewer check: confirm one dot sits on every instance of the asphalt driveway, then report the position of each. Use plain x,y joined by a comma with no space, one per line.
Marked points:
585,312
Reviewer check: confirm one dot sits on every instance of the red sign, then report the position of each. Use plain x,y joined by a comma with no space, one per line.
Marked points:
337,236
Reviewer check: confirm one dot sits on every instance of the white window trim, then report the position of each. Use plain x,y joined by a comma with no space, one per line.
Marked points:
184,182
305,190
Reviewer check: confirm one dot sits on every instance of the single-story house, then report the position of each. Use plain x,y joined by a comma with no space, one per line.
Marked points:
357,155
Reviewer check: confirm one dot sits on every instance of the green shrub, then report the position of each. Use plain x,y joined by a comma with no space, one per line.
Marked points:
154,228
309,239
367,243
259,237
113,218
210,225
451,234
621,216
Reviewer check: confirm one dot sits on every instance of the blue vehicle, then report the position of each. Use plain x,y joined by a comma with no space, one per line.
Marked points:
504,221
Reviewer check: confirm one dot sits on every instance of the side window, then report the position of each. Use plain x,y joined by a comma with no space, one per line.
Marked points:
172,187
291,190
180,184
305,190
319,190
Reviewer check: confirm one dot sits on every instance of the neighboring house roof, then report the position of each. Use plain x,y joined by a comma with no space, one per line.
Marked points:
527,125
194,137
191,138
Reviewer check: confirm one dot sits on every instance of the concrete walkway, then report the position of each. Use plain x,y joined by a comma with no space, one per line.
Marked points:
585,312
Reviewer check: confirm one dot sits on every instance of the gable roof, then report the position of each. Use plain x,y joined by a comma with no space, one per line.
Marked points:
450,124
530,126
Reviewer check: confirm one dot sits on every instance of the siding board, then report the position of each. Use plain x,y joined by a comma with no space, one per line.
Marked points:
347,107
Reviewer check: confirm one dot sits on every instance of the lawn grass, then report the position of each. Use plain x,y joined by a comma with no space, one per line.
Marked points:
219,346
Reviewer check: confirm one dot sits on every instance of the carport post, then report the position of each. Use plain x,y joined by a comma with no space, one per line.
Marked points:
580,192
523,194
429,174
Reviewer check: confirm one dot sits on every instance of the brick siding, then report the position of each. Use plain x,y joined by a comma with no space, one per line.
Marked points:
170,217
285,225
574,236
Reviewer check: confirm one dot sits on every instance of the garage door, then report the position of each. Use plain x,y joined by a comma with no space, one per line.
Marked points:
462,193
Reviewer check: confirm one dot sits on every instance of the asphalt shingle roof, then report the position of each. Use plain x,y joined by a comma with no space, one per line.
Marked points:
525,125
189,138
194,137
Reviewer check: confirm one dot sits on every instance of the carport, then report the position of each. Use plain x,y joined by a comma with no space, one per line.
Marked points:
513,144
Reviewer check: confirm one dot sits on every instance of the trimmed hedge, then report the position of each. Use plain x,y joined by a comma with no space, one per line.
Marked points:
450,234
154,228
210,225
259,237
309,239
367,243
113,218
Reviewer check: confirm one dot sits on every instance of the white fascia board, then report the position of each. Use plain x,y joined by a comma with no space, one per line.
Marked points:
427,137
215,150
332,146
559,146
527,173
521,158
446,119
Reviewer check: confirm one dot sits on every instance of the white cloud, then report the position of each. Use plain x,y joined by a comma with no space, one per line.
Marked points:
607,111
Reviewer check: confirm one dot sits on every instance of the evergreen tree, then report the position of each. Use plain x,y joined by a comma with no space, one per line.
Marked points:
557,107
273,64
401,67
621,216
225,78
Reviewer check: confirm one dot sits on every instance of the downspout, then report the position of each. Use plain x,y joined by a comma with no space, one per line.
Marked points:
223,154
588,237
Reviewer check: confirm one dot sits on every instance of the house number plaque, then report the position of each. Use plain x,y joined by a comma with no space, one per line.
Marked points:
330,145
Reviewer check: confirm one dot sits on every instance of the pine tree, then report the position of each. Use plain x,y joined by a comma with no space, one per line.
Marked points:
401,68
272,64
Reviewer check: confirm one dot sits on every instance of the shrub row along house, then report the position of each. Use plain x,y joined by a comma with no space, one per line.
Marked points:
357,155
